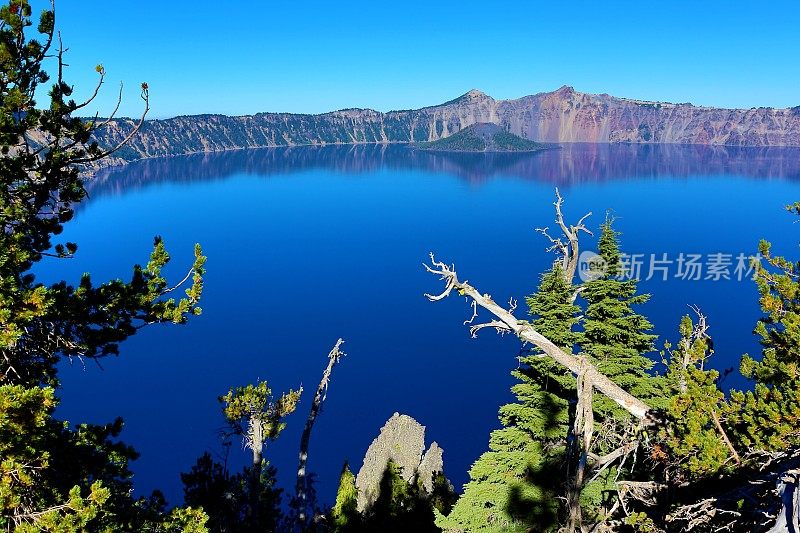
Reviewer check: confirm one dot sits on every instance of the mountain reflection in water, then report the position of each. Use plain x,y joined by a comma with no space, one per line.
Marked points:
568,165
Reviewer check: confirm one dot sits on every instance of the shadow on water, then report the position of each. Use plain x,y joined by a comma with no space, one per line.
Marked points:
571,164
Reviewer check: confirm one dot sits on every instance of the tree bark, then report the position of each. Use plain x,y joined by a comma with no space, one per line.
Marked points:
255,439
255,435
582,439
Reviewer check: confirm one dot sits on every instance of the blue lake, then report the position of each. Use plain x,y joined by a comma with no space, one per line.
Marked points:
309,244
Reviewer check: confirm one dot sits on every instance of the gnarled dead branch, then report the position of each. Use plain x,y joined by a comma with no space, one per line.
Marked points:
527,333
568,249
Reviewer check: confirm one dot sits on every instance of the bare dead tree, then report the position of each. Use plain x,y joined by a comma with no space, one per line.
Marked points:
588,377
567,246
301,489
506,322
699,331
582,431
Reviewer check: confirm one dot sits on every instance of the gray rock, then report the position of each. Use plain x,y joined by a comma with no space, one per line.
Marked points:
432,463
401,440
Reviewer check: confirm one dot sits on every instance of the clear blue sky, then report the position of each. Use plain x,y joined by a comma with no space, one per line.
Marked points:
248,56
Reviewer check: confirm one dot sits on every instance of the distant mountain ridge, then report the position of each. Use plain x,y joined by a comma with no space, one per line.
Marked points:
560,116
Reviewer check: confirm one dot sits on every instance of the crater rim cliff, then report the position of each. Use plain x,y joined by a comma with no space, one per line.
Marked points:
560,116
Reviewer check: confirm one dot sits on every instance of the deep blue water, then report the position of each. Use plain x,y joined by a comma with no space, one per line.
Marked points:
309,244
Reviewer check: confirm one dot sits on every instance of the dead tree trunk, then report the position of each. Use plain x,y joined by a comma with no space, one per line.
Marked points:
255,439
507,322
301,493
582,439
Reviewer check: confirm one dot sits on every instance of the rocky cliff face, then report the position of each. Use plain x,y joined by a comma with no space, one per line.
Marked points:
569,116
402,441
556,117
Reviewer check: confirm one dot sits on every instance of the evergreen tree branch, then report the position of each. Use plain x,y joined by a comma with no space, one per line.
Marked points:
97,87
188,275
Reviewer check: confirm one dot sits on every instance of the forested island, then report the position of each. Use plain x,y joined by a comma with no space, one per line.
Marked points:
482,137
608,429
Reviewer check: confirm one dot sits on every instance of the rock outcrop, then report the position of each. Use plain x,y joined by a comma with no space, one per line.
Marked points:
402,441
561,116
431,464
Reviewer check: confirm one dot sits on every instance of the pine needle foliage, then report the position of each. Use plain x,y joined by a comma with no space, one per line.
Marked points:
616,338
344,514
55,476
768,417
693,446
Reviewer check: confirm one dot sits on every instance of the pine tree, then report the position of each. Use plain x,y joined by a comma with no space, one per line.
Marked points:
247,501
702,430
768,417
401,505
54,475
344,515
614,336
254,415
227,498
443,495
616,340
514,484
692,434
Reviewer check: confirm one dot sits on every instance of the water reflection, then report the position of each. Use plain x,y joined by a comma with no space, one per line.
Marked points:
571,164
